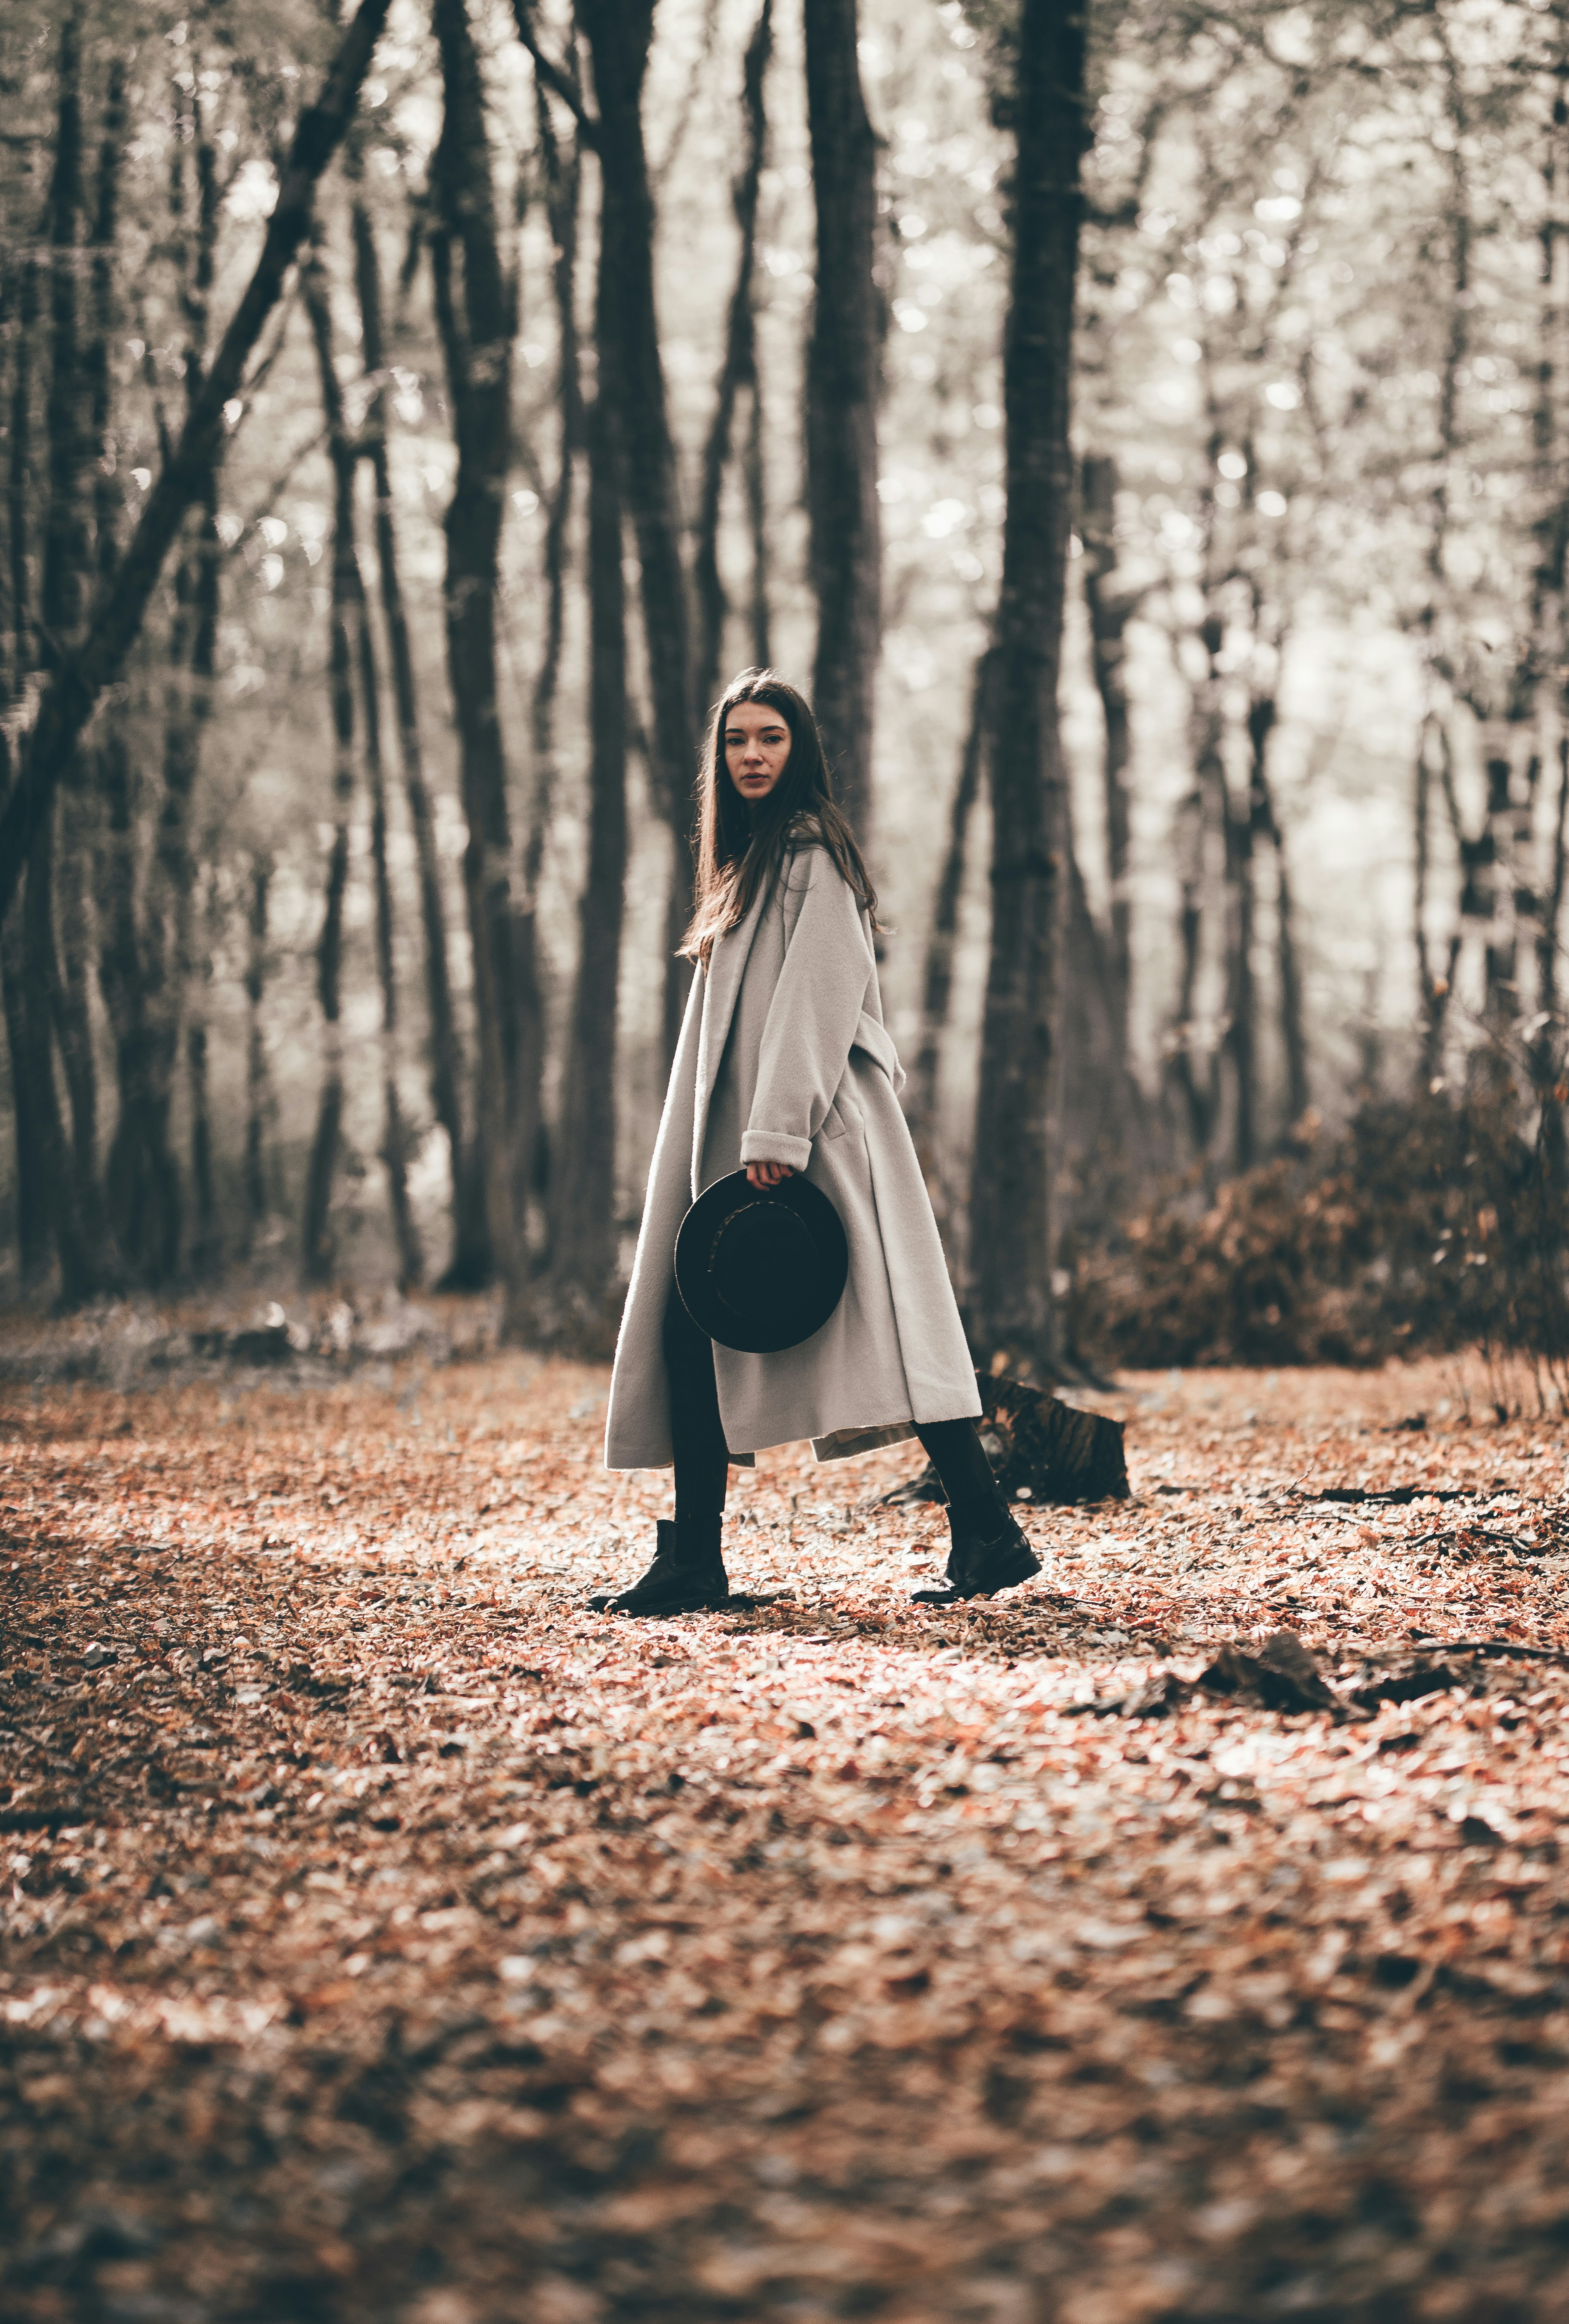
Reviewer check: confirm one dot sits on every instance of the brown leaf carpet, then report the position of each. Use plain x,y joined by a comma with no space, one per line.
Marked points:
383,1936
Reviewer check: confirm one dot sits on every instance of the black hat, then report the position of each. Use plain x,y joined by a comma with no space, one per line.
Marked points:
760,1267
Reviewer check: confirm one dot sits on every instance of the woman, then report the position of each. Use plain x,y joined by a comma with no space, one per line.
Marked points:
784,1064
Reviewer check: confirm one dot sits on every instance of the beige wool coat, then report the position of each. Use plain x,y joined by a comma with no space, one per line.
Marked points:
784,1057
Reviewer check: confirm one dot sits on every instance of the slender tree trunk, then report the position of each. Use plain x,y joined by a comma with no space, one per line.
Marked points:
1011,1255
154,969
62,598
470,1264
563,183
347,593
1434,986
66,538
1195,1078
205,1251
1261,718
394,1137
1242,998
844,377
1208,810
473,312
563,175
108,494
39,984
74,1034
737,371
19,482
585,1238
618,33
72,692
1110,609
757,520
937,979
81,900
109,777
256,1083
1093,1140
33,1188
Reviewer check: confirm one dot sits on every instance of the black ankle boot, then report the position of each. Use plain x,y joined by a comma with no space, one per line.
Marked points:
688,1574
990,1553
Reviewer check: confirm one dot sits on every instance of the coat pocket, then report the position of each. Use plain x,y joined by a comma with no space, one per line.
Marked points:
834,1122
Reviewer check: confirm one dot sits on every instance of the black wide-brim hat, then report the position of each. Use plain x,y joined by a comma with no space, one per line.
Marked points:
760,1269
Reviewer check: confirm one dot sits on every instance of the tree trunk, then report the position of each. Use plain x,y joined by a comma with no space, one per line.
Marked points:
66,538
1097,1145
1110,609
844,376
256,1081
1196,1078
1262,714
72,692
757,520
583,1238
470,1264
19,485
563,181
39,983
1434,986
165,955
1010,1254
474,314
618,33
1241,1012
108,495
74,1032
205,1254
346,592
738,370
938,979
62,597
394,1137
33,1191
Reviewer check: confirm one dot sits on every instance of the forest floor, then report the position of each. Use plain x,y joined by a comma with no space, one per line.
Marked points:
384,1936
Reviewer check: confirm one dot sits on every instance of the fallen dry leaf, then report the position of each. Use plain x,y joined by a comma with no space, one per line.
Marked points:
388,1937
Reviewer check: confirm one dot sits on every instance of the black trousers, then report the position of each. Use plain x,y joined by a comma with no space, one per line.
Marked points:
703,1459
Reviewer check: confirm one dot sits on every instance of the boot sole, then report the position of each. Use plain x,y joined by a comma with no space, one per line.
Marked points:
684,1604
1023,1569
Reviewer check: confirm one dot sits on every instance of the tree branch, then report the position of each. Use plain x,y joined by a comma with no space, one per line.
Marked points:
560,82
73,692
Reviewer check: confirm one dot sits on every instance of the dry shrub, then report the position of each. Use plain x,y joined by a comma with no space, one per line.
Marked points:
1426,1223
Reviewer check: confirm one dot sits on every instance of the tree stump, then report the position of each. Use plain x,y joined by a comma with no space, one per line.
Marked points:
1040,1450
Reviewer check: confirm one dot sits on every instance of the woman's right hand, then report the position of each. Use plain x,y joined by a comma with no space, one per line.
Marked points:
768,1173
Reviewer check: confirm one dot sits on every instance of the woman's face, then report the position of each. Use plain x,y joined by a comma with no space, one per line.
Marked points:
757,745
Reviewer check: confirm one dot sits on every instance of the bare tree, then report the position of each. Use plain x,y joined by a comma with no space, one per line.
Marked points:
73,691
844,377
34,1192
618,33
257,1090
583,1210
737,375
470,1262
1010,1257
316,1237
474,308
937,977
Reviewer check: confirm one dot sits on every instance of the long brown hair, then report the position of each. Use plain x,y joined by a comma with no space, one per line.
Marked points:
740,847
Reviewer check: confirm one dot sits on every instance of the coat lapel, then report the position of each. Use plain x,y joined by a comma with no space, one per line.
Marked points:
721,990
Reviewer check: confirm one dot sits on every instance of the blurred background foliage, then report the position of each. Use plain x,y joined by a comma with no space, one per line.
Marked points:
1308,1082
